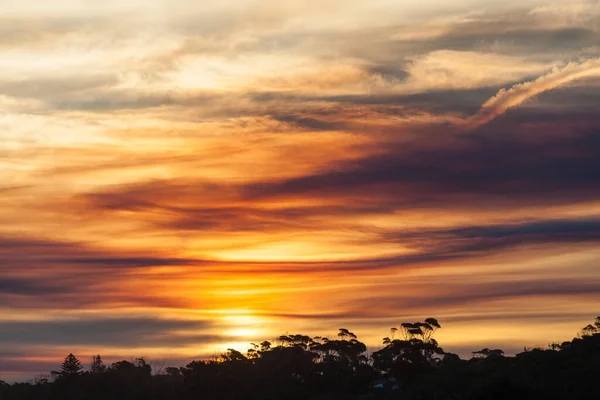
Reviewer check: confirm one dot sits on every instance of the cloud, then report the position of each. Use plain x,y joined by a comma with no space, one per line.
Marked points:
28,287
448,69
576,230
473,241
48,274
518,94
448,298
446,171
109,331
21,251
311,124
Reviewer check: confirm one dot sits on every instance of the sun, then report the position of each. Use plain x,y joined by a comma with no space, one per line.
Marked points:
247,326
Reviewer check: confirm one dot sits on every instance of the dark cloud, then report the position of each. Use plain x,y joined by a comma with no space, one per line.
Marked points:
22,369
503,165
521,40
575,230
50,89
309,123
524,317
46,274
24,250
132,99
125,262
384,48
359,318
496,164
448,297
390,73
166,214
61,287
575,104
106,332
466,101
27,287
471,241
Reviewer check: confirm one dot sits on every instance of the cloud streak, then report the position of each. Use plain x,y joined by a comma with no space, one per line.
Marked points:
518,94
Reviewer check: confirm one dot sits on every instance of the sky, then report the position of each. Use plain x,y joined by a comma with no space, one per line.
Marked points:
178,178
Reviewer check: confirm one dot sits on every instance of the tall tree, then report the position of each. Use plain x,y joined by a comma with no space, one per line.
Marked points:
71,366
412,358
97,366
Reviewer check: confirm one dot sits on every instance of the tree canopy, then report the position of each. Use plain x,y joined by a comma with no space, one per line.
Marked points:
409,365
70,366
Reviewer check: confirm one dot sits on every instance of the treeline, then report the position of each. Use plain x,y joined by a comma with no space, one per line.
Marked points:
410,365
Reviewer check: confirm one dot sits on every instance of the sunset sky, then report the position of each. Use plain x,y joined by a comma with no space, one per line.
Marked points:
177,178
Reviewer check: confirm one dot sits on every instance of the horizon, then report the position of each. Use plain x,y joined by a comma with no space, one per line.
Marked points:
182,179
158,366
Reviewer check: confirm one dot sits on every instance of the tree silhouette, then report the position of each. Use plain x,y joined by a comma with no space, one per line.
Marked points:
487,353
422,331
70,366
589,330
97,366
409,359
344,333
410,366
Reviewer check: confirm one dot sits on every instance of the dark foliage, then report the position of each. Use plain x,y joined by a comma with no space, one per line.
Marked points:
411,366
97,366
71,366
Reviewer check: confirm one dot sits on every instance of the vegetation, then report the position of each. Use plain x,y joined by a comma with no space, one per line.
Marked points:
71,366
410,365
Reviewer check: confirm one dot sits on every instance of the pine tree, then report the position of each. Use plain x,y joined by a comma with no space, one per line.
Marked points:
97,366
71,366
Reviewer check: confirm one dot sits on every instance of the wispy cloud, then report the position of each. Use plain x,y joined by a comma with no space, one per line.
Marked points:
518,94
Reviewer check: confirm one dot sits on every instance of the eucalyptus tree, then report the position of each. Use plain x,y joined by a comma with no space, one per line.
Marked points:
412,356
